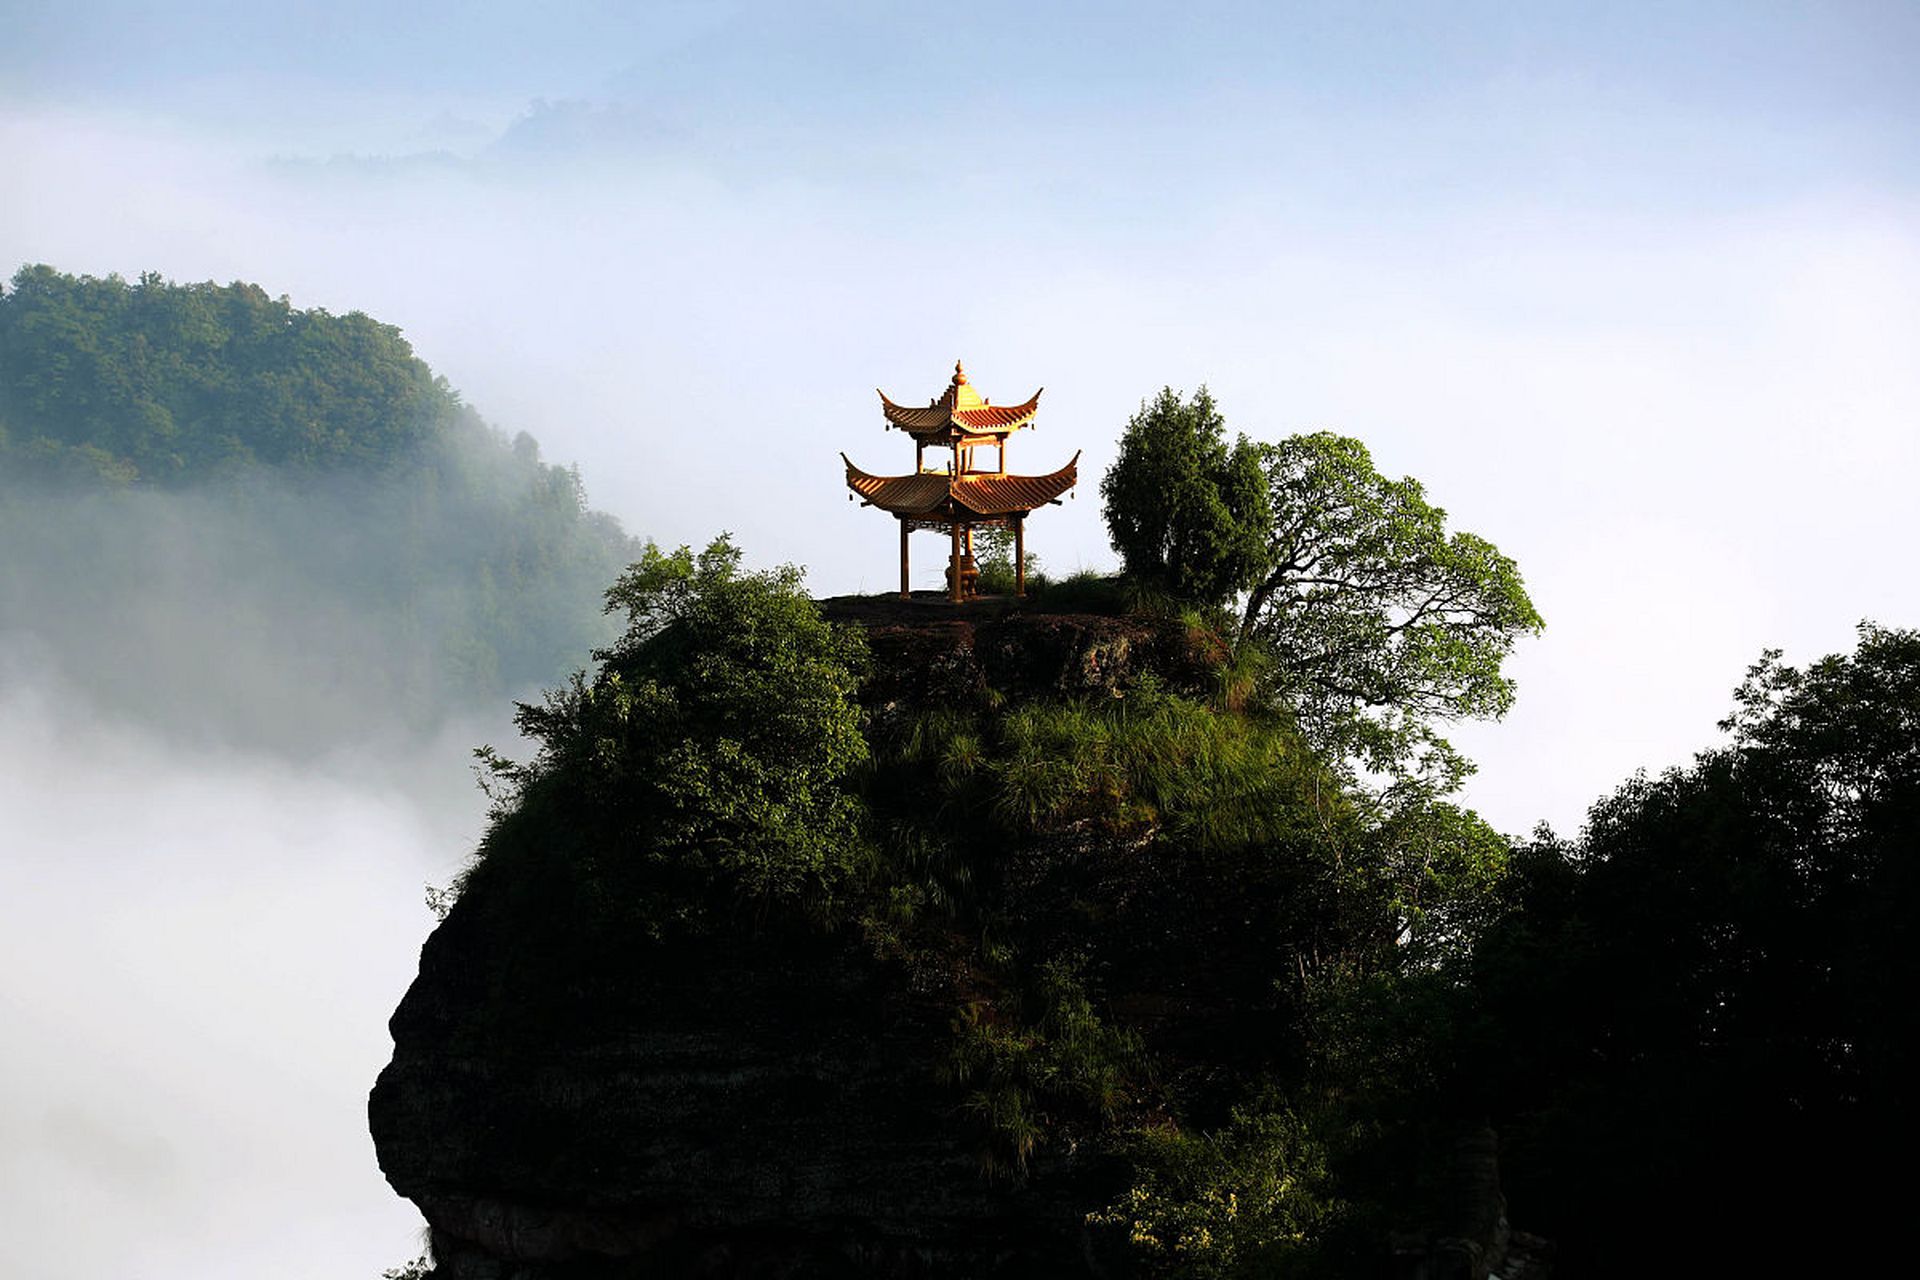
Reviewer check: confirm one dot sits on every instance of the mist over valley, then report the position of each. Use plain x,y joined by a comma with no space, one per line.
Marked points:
248,643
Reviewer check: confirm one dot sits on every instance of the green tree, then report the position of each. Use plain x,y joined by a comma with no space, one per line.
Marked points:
1253,1198
1379,622
712,750
993,550
1721,971
1376,621
1186,511
180,381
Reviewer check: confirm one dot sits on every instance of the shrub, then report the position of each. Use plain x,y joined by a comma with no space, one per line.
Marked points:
1252,1199
713,749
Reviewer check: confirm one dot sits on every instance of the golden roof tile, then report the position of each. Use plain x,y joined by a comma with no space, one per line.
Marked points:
936,493
959,411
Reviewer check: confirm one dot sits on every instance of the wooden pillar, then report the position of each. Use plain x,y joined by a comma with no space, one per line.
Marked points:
1020,557
955,590
905,529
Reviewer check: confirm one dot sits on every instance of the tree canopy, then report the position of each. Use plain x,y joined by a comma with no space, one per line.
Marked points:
1378,621
1720,971
231,516
1186,511
710,753
168,383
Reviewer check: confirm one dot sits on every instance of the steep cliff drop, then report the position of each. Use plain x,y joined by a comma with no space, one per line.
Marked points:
766,1101
1060,1022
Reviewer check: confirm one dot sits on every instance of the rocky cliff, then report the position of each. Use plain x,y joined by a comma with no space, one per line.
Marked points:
1063,1020
765,1101
762,1105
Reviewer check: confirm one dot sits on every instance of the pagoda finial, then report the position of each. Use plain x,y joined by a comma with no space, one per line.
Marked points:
959,374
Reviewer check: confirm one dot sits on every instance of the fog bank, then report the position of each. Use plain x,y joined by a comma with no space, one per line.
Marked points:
198,950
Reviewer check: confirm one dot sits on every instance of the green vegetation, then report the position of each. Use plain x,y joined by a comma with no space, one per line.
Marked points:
1263,1017
1049,1063
1189,852
1700,1015
167,384
993,553
1187,512
1381,622
1147,762
234,518
718,733
1253,1198
706,763
1379,625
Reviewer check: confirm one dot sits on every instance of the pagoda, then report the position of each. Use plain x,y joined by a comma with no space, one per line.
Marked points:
964,495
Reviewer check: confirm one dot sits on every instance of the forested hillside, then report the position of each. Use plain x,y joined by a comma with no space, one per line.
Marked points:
864,940
238,518
1131,930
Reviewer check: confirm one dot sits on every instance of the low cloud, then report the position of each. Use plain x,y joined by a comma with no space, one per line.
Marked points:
198,950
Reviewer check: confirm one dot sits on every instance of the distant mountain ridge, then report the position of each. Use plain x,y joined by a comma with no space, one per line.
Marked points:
234,517
167,383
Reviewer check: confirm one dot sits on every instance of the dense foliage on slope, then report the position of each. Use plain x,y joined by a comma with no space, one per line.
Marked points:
236,517
1134,945
167,384
1699,1018
1379,624
703,766
1030,940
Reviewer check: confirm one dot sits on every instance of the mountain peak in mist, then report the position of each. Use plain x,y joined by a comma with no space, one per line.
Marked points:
243,521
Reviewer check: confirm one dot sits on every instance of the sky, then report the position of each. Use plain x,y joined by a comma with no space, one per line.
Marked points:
1633,289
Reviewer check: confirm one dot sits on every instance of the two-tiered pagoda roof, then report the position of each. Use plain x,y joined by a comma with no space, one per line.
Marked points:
932,493
960,497
960,414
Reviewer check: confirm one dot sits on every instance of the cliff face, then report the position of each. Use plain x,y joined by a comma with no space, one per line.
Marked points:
931,654
759,1106
764,1101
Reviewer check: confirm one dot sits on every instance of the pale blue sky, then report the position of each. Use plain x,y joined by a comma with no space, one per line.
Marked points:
1782,92
1642,266
1696,103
